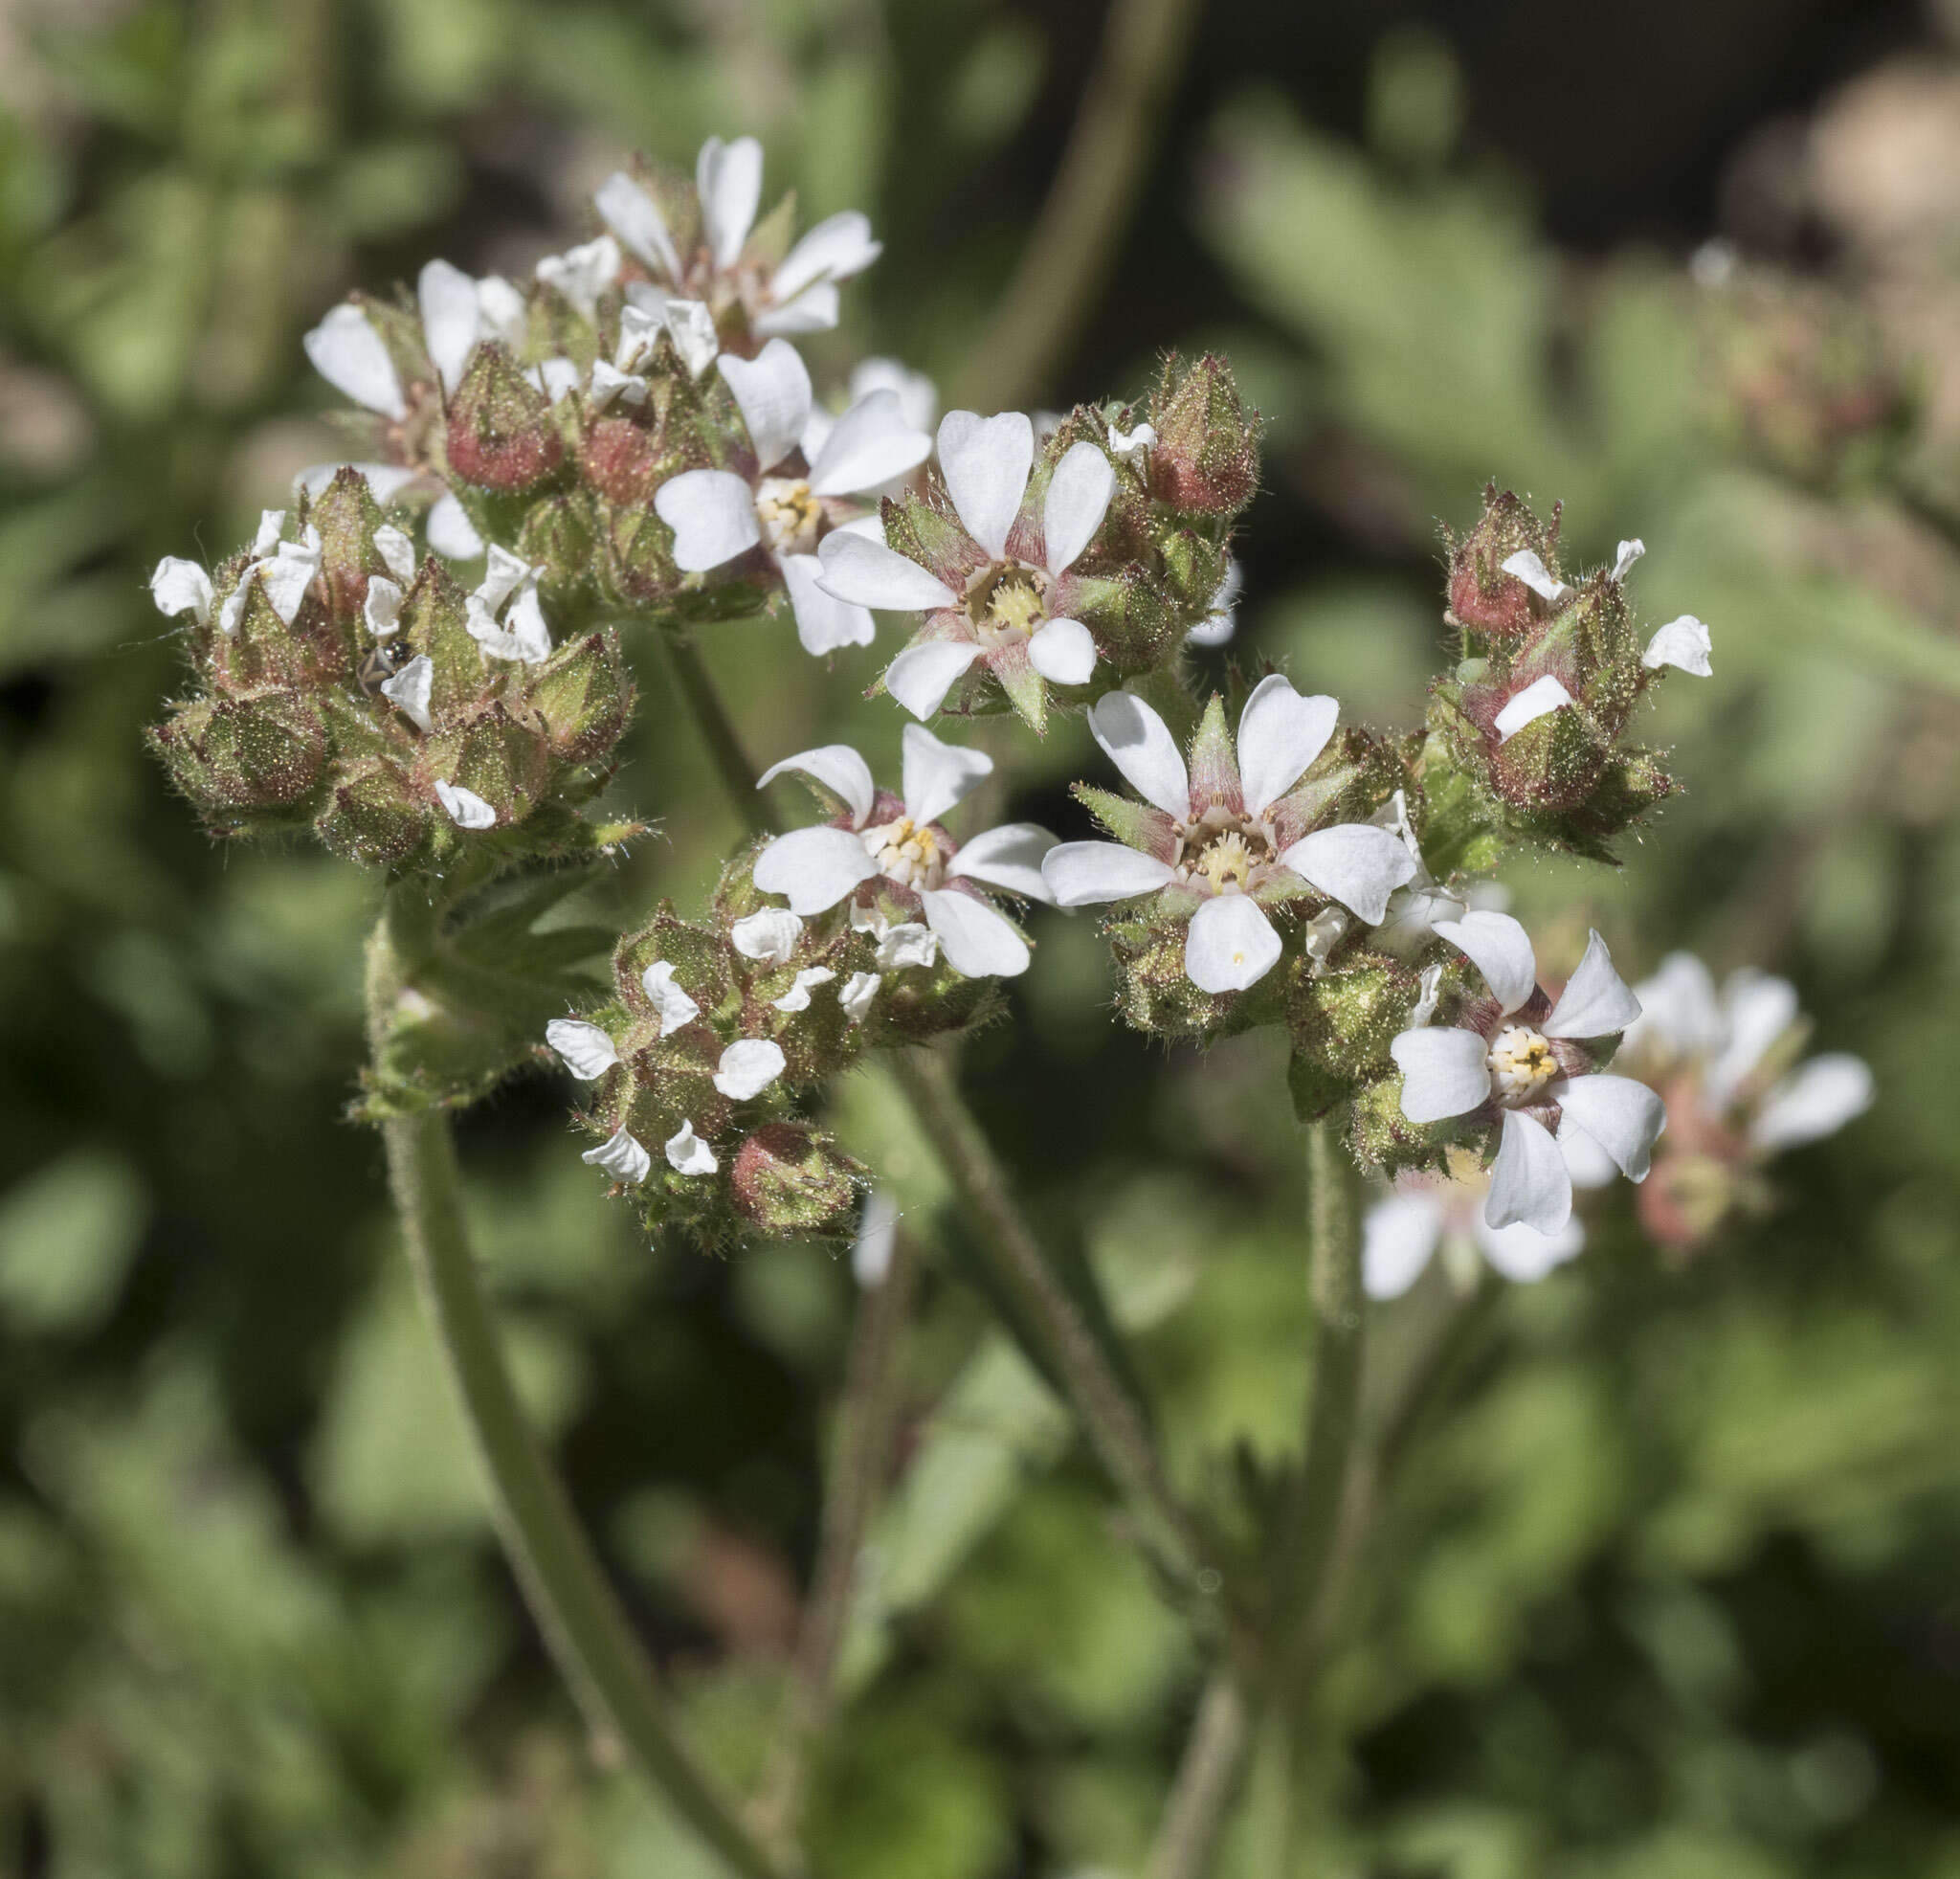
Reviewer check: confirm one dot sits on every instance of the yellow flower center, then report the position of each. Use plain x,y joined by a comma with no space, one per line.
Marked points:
789,516
1227,861
1521,1064
1007,602
907,852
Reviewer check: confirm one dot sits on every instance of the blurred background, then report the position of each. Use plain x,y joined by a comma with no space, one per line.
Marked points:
1675,1591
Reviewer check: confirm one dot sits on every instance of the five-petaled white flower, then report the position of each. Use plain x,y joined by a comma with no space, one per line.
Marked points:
791,487
1229,837
797,295
998,589
1517,1060
897,842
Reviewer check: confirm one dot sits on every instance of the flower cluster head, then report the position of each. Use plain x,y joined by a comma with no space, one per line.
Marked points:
718,1034
1232,857
1509,1066
1730,1067
1533,719
346,685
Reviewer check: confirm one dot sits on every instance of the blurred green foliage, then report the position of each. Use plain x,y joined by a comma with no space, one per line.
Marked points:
1670,1596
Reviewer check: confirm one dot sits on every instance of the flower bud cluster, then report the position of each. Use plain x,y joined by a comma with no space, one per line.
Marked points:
1527,735
346,685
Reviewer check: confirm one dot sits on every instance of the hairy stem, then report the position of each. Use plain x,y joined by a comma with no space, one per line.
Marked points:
866,1438
725,751
1206,1777
589,1635
1088,207
1108,1413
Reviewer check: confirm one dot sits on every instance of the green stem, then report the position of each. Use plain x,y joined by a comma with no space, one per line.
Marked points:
1069,254
1206,1777
866,1436
1109,1416
589,1635
724,747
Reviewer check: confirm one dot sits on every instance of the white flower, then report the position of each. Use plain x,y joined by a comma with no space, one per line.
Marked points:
1132,446
797,997
284,569
181,587
717,515
799,295
769,934
584,273
748,1068
410,691
1723,1052
674,1006
688,1155
856,994
1684,644
587,1051
467,809
1523,1069
509,589
1024,632
622,1157
1228,834
397,552
1400,1233
899,841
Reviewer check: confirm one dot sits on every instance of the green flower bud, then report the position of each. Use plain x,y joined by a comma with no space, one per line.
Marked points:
1206,460
584,696
374,816
238,758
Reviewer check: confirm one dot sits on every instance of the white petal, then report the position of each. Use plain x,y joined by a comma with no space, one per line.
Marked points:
1088,873
1078,500
608,382
797,997
584,273
1587,1162
1355,864
1623,562
1230,944
912,944
688,1155
1624,1117
382,609
917,396
1008,857
824,623
840,769
288,574
748,1068
728,179
504,574
587,1051
501,312
525,622
233,612
1218,626
451,534
448,299
467,809
409,690
1685,643
397,552
1399,1236
769,934
815,310
1132,446
270,523
1280,735
869,574
1064,653
1444,1072
1527,568
986,462
1677,1008
555,377
856,994
691,325
773,393
1523,1254
1538,699
1596,1001
1428,986
712,514
814,867
349,353
978,941
622,1157
1817,1099
675,1007
1529,1182
878,1232
870,444
1138,743
181,587
1757,1008
938,776
920,676
1501,950
836,248
635,218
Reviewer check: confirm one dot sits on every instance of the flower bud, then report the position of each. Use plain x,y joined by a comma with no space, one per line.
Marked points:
374,816
492,757
788,1179
585,697
501,432
235,756
1481,595
1206,460
347,516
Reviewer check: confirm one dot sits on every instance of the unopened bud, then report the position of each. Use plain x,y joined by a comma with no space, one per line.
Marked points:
1483,597
374,816
501,433
585,697
261,752
788,1179
1206,460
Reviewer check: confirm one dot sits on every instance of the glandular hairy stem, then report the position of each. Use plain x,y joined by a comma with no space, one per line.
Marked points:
588,1633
